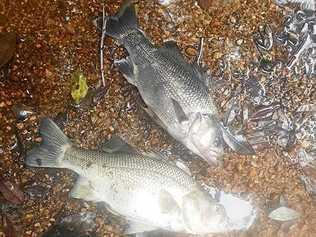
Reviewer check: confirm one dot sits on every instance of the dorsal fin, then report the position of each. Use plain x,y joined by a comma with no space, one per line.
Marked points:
171,49
117,144
165,158
171,45
201,73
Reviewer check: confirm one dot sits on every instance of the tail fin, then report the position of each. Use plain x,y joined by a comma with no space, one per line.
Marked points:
123,22
52,149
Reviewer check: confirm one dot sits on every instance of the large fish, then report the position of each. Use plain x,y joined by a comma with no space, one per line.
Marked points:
146,189
173,89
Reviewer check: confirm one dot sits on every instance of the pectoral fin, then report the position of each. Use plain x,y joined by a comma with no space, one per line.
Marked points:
83,190
180,114
180,164
165,158
167,203
171,49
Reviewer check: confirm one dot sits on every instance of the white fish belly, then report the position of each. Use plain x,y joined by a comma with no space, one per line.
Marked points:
134,203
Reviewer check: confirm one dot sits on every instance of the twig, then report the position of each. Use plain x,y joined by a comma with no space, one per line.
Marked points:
102,47
200,55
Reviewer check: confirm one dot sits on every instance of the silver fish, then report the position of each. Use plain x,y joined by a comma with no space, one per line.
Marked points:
305,4
145,188
173,89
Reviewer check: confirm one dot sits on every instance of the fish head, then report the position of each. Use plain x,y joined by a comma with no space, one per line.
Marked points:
202,214
205,136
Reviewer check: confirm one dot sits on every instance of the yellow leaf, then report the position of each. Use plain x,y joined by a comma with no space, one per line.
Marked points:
79,87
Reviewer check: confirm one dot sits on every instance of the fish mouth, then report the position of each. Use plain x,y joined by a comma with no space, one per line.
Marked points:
211,156
209,153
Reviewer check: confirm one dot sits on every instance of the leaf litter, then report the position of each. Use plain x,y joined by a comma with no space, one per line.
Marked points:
258,79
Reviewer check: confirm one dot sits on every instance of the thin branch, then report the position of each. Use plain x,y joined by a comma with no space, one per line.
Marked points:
200,55
102,47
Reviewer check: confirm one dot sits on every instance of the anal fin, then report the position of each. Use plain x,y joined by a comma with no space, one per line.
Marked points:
168,204
117,144
152,114
84,190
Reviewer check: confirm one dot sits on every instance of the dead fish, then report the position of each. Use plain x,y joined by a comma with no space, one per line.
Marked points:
305,4
146,189
174,90
284,214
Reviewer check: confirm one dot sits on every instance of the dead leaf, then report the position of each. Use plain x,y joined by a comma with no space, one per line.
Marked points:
11,192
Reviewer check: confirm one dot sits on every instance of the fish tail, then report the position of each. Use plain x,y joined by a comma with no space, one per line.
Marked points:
52,148
123,22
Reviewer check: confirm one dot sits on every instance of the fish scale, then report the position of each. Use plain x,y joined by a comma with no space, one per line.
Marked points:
178,79
145,55
186,88
81,160
173,89
149,191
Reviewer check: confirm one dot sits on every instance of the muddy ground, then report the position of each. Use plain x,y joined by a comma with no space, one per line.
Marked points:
56,38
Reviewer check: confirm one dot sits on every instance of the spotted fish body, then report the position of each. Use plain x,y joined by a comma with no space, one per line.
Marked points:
173,89
146,189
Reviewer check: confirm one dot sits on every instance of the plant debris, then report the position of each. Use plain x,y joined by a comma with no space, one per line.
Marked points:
80,87
11,192
271,103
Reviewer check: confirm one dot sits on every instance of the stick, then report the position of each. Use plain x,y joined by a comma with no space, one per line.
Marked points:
102,47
